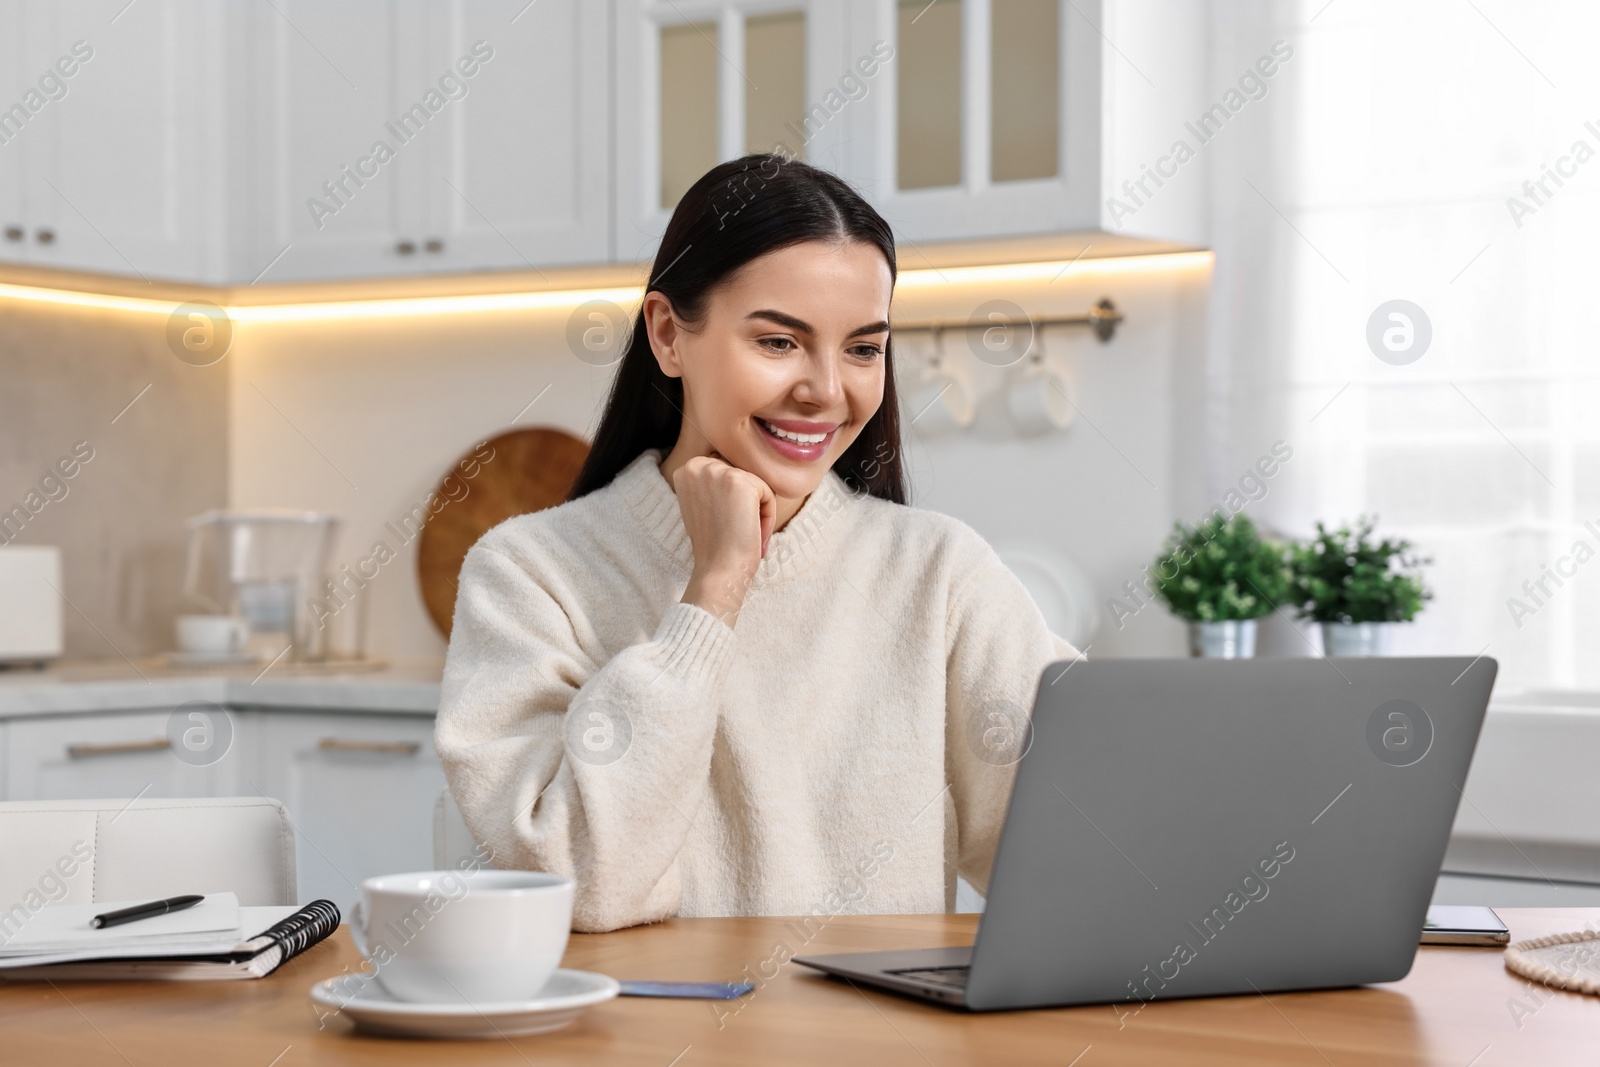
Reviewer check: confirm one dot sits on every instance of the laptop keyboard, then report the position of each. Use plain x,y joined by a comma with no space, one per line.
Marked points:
955,977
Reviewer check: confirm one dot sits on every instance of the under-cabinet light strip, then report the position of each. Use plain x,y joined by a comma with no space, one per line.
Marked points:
428,305
405,307
70,298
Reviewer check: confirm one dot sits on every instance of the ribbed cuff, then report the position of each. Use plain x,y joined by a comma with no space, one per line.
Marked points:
694,643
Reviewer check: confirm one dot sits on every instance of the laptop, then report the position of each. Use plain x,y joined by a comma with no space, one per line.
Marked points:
1186,828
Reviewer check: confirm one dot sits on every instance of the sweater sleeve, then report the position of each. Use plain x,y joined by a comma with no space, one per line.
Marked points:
562,764
999,645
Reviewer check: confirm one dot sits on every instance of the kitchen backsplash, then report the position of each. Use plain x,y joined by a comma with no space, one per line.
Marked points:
110,443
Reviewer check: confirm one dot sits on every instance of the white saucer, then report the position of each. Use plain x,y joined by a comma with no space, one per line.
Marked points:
558,1003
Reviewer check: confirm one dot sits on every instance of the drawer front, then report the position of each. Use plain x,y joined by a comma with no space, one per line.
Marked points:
128,754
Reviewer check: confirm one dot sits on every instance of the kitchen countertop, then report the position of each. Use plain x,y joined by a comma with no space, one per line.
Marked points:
409,686
117,685
76,686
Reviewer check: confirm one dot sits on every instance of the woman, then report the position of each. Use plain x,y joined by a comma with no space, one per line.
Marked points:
735,674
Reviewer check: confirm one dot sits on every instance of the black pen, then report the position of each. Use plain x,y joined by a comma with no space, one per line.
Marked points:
145,911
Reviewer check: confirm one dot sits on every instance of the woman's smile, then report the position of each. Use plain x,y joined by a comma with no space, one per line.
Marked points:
797,439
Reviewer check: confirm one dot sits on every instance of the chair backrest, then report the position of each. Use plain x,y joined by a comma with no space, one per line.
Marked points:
453,846
84,851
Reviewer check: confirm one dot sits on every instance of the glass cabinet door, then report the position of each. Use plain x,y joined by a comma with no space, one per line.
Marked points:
956,118
971,140
699,83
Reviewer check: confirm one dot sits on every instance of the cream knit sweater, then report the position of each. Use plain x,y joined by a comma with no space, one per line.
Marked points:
848,747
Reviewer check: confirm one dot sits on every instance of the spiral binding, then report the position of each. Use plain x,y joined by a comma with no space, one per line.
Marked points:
303,929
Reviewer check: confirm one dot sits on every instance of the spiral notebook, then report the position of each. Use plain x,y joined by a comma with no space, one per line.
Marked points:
222,958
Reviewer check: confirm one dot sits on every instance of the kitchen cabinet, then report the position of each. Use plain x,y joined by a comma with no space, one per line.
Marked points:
231,144
1016,146
91,757
108,165
401,138
294,141
975,118
360,790
27,136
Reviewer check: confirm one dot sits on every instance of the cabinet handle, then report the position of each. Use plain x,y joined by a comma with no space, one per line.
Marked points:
15,233
44,235
85,751
396,748
405,248
434,245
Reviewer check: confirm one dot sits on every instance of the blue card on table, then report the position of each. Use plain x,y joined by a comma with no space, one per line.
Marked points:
690,990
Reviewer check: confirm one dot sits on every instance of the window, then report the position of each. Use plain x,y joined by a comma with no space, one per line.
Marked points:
1377,169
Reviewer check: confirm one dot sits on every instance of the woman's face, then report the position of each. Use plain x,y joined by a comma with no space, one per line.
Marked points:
787,365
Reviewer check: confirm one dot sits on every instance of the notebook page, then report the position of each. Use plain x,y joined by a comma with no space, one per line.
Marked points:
65,928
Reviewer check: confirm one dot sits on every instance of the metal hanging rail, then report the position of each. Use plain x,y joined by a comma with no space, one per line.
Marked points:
1103,317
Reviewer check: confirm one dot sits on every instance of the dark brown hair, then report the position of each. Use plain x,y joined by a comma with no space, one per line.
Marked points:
738,211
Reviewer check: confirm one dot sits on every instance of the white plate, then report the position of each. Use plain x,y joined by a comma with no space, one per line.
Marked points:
371,1008
1063,593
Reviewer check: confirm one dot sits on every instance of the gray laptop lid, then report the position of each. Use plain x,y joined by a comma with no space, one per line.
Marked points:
1185,828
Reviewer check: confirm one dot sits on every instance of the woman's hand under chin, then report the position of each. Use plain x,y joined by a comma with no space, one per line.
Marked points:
729,514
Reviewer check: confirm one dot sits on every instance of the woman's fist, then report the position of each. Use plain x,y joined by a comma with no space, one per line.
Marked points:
729,514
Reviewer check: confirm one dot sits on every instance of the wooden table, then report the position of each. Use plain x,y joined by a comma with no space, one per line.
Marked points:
1455,1008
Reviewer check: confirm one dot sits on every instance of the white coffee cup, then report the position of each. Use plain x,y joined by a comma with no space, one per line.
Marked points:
1039,401
483,937
941,405
216,635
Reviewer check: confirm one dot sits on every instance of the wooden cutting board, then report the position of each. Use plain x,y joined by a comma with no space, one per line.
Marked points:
529,470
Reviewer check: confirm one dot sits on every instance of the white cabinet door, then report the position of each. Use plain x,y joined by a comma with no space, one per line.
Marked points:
15,80
359,789
400,137
30,35
335,145
518,173
126,169
91,757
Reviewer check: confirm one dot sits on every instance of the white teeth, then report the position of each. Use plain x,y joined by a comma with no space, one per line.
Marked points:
797,438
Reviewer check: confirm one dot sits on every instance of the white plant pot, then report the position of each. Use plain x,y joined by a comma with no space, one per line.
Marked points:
1231,639
1356,638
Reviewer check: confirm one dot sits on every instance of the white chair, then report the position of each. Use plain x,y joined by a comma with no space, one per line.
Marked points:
84,851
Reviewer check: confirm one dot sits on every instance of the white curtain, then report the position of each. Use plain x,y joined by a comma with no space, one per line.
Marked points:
1388,162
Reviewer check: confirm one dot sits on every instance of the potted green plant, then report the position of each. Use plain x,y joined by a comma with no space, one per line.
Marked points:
1357,587
1220,576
